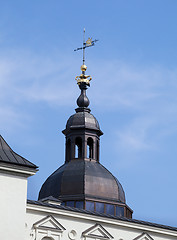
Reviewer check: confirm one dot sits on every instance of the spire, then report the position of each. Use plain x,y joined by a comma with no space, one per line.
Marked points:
83,80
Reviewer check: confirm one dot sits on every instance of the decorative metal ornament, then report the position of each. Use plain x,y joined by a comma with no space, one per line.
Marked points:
84,80
89,42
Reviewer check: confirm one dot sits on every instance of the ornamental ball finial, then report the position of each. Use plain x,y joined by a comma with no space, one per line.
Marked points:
85,79
83,68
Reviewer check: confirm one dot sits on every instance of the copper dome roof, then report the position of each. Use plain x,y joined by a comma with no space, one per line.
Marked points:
81,179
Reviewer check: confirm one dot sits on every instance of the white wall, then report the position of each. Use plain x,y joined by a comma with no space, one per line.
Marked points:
81,222
13,191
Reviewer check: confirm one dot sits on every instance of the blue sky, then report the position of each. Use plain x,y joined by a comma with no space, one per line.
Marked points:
133,93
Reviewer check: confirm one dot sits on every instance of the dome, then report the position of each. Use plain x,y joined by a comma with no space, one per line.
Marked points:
82,120
79,180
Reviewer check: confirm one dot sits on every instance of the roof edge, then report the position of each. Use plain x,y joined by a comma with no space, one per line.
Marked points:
123,219
17,169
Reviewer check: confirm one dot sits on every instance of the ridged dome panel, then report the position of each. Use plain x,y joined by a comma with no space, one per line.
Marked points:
101,183
83,178
84,119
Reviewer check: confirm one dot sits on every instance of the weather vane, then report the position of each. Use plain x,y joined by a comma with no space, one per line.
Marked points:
88,43
85,78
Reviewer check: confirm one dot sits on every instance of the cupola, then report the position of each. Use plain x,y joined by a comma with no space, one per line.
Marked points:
82,181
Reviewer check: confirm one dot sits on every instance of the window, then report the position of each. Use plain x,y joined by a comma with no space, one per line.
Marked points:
110,209
119,211
100,207
89,206
70,203
89,148
78,147
47,238
63,203
79,204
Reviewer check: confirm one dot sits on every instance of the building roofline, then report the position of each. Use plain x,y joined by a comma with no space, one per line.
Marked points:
61,207
9,157
17,169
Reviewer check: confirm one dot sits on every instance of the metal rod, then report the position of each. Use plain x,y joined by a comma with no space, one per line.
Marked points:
84,47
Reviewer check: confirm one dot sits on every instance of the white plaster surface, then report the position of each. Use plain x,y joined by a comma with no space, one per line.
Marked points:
12,206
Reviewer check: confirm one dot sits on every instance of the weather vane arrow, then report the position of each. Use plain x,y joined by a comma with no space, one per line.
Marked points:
88,43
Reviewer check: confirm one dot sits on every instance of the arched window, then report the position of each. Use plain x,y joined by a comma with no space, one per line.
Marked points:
97,150
68,150
47,238
89,148
78,147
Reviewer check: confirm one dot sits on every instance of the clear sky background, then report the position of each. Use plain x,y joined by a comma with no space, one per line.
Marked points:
133,93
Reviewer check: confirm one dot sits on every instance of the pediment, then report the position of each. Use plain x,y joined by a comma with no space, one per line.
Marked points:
97,231
144,236
49,222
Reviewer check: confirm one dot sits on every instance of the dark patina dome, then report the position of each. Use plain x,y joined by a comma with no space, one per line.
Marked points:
82,119
80,179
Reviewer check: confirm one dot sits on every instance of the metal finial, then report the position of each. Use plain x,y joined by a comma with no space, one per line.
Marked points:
83,47
88,43
84,79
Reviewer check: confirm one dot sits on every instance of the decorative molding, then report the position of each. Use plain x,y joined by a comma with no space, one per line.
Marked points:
97,232
72,234
144,236
133,226
48,227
